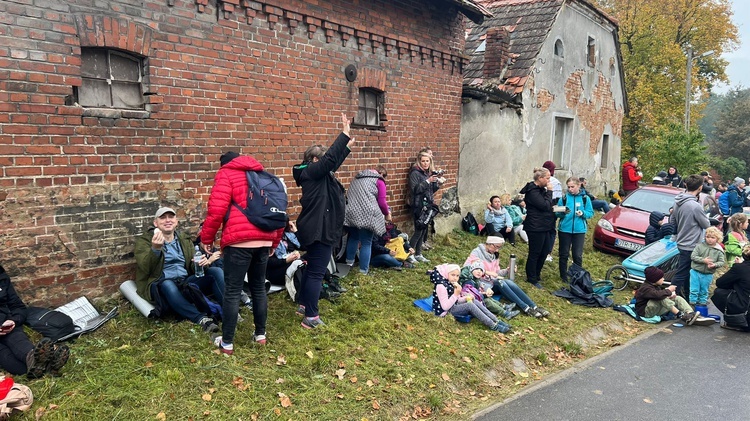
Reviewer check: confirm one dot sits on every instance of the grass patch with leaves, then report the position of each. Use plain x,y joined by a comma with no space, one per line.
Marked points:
378,357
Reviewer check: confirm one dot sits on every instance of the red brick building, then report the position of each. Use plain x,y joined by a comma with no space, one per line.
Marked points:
108,113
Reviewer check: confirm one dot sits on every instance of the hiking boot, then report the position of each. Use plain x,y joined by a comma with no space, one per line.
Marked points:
60,356
421,259
260,339
689,318
411,260
226,349
312,322
300,311
542,311
501,327
703,321
38,358
208,325
509,314
335,286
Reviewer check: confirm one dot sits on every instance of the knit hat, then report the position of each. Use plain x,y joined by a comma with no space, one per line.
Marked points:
228,157
550,166
738,181
653,274
476,265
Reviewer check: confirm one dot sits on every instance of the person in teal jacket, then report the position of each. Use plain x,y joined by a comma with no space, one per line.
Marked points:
573,224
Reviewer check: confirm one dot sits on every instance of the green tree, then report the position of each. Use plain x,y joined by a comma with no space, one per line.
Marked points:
728,168
671,146
654,37
731,135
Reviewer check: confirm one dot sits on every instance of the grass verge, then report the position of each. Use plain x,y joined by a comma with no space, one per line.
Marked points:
379,357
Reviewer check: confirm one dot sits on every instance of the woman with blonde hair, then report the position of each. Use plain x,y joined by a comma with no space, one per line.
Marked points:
736,238
539,224
423,183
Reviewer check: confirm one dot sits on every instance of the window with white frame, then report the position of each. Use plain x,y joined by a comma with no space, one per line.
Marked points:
110,79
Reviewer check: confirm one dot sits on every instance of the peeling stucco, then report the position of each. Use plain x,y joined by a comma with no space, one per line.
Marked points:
596,111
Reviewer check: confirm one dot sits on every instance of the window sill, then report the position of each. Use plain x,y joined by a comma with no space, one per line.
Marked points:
364,126
115,113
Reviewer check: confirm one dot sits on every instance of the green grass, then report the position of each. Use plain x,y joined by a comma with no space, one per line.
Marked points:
379,357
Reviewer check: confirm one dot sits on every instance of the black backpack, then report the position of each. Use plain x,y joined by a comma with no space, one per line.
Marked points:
51,324
470,224
266,201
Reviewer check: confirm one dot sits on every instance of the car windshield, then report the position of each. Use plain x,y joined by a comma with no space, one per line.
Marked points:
649,201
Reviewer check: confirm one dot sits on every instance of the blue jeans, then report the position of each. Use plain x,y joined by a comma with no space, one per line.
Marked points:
211,283
699,283
384,260
317,257
357,237
512,292
237,263
601,205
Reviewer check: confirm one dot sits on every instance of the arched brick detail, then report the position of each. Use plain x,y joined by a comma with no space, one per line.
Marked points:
372,78
111,32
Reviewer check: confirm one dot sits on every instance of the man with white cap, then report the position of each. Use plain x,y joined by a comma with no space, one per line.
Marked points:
164,258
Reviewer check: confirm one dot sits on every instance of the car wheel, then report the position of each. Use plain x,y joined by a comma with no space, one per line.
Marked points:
619,277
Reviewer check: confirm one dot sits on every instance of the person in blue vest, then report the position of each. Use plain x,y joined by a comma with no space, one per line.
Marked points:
573,225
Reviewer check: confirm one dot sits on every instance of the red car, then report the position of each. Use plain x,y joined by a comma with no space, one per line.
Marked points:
622,230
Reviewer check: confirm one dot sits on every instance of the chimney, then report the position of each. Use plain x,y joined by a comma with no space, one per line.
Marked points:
496,52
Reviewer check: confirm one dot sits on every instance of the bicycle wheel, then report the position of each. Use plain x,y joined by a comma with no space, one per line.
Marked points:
619,277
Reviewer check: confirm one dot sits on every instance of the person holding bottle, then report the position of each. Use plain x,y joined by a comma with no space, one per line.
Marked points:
245,247
165,260
573,224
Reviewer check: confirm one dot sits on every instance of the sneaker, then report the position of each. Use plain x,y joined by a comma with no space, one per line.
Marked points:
208,325
689,318
59,358
501,327
421,259
312,322
549,258
703,321
248,305
300,310
37,358
509,314
426,246
408,265
411,260
226,349
335,285
509,307
542,311
537,285
532,312
260,339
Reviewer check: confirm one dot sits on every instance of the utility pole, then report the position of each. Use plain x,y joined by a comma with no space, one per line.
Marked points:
688,81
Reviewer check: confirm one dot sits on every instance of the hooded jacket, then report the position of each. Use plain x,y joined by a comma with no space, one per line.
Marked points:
630,177
647,292
230,188
689,219
675,180
323,201
736,199
656,232
539,215
362,210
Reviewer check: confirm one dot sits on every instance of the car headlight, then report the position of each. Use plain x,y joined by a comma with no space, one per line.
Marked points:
605,225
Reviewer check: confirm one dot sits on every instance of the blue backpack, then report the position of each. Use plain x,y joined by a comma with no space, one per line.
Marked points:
724,203
266,201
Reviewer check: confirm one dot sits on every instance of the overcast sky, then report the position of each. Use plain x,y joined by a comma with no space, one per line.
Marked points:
739,61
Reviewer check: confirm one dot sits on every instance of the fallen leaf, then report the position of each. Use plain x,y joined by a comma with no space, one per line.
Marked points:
160,416
193,360
353,379
206,397
340,396
523,374
413,356
370,383
277,411
281,360
212,390
309,354
254,416
206,413
52,407
375,404
647,400
446,377
340,373
279,380
149,364
598,392
285,401
342,364
466,360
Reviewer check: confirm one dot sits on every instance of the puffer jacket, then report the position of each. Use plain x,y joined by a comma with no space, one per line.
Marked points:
323,201
362,210
11,306
230,187
630,176
539,202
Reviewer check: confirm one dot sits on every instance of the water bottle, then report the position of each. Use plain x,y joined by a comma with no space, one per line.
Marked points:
198,257
512,274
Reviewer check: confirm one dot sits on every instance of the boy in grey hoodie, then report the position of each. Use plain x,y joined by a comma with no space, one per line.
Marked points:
690,220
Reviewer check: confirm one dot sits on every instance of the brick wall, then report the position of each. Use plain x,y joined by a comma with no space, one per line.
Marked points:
262,77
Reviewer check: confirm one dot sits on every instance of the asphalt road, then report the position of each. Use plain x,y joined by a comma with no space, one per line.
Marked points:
688,373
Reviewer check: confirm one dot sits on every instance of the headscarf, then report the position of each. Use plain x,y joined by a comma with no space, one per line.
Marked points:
447,268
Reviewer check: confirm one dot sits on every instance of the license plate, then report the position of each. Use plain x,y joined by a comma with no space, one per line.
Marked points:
627,245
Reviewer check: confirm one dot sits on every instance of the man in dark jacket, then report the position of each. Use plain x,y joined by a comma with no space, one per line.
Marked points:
164,261
321,222
539,224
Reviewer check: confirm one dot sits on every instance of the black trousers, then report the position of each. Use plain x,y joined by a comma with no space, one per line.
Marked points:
568,241
14,347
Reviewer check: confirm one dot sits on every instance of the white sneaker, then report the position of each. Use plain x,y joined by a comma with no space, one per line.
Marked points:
421,259
548,259
411,259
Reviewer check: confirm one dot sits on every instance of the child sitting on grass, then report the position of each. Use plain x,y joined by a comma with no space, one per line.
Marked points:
473,281
706,258
651,300
447,298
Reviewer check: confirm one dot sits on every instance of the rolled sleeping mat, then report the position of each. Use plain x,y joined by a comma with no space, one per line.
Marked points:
128,289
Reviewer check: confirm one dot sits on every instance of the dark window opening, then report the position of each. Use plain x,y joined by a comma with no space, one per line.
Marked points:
559,51
591,53
371,112
110,79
